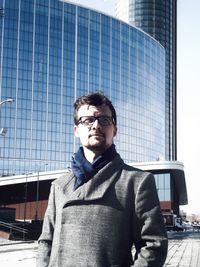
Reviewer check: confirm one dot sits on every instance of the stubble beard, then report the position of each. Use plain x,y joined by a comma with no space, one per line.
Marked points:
97,145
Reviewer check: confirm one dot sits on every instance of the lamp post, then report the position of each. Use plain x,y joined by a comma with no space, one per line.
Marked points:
3,130
9,100
37,194
25,197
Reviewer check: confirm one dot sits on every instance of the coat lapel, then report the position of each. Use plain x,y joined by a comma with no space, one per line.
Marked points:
98,185
95,188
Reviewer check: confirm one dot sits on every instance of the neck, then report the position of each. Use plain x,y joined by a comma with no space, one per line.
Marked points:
91,155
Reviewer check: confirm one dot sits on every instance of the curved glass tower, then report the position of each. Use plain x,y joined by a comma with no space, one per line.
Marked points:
159,19
52,52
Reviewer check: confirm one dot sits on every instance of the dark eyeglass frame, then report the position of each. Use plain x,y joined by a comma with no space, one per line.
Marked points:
102,120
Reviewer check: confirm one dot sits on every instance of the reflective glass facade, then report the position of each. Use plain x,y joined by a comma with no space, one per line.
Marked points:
159,19
163,184
51,52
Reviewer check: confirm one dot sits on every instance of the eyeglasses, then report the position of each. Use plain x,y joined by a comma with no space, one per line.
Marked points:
90,120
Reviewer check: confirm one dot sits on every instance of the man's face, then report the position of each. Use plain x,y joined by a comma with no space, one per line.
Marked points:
95,137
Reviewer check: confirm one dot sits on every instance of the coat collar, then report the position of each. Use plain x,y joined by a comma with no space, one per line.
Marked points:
95,188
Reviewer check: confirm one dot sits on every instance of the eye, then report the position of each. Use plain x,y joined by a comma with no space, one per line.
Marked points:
105,120
88,120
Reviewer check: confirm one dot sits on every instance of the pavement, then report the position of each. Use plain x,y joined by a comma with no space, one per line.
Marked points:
18,254
183,251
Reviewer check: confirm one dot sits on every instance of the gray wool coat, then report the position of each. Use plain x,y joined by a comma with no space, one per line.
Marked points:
98,224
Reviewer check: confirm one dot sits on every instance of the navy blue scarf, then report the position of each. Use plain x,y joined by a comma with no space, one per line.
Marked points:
84,170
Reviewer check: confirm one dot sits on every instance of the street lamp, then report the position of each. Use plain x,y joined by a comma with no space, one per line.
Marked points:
3,130
9,100
37,194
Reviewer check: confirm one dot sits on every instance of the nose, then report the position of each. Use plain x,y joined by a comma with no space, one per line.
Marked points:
96,124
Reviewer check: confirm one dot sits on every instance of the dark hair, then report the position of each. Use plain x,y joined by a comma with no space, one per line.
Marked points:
94,99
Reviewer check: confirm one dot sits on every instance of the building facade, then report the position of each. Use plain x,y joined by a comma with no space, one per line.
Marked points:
28,194
51,52
159,19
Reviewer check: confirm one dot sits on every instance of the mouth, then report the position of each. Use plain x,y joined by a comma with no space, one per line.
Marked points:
96,135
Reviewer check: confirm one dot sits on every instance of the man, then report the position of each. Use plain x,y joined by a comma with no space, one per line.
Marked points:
103,208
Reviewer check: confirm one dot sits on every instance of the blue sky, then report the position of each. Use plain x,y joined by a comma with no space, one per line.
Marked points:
188,91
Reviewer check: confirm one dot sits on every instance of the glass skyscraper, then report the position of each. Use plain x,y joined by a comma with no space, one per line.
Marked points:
51,52
159,19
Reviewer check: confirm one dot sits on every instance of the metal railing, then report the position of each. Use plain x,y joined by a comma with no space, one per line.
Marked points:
12,227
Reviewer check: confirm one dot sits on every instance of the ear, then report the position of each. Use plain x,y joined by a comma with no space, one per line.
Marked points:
76,131
115,131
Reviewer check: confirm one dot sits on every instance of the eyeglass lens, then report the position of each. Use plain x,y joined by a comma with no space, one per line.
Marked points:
89,120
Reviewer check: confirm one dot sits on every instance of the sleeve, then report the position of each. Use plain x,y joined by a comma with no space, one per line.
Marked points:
151,240
46,237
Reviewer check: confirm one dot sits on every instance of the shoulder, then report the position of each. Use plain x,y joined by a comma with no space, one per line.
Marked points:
135,172
137,177
63,180
129,172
